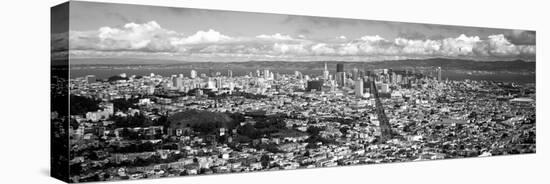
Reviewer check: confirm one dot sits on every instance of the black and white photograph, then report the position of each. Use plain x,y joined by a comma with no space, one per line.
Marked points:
141,92
274,91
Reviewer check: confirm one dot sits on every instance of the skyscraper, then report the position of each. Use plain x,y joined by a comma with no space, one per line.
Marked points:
340,75
193,74
359,87
354,73
326,72
339,67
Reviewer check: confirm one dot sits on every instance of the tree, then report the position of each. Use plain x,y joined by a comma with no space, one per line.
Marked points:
264,160
81,105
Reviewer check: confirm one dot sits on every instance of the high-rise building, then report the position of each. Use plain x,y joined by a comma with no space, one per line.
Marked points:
326,72
177,82
359,87
211,84
174,81
340,75
193,74
229,73
340,78
355,73
385,88
340,67
266,74
218,82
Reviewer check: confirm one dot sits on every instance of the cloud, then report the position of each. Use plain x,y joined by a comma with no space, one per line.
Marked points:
282,48
375,38
150,39
210,36
521,37
460,46
276,36
418,47
500,46
322,49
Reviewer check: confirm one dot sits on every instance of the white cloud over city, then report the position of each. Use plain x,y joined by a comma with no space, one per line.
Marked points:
150,39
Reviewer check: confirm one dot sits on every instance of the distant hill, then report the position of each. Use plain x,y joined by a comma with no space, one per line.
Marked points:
445,63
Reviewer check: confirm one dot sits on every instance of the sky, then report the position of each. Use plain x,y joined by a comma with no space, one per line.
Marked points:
100,30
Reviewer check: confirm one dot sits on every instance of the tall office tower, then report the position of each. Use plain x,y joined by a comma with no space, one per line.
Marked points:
231,87
180,82
354,73
218,82
211,84
393,78
359,87
340,78
399,79
266,73
361,73
326,72
368,73
339,67
229,73
193,74
298,75
340,75
174,81
438,73
258,73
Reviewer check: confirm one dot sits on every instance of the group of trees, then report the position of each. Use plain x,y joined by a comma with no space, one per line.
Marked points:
139,120
315,138
263,127
122,104
81,105
136,148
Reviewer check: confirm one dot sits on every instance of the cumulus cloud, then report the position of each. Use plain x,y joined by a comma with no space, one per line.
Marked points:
151,39
210,36
148,37
322,49
460,46
522,37
282,48
276,36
